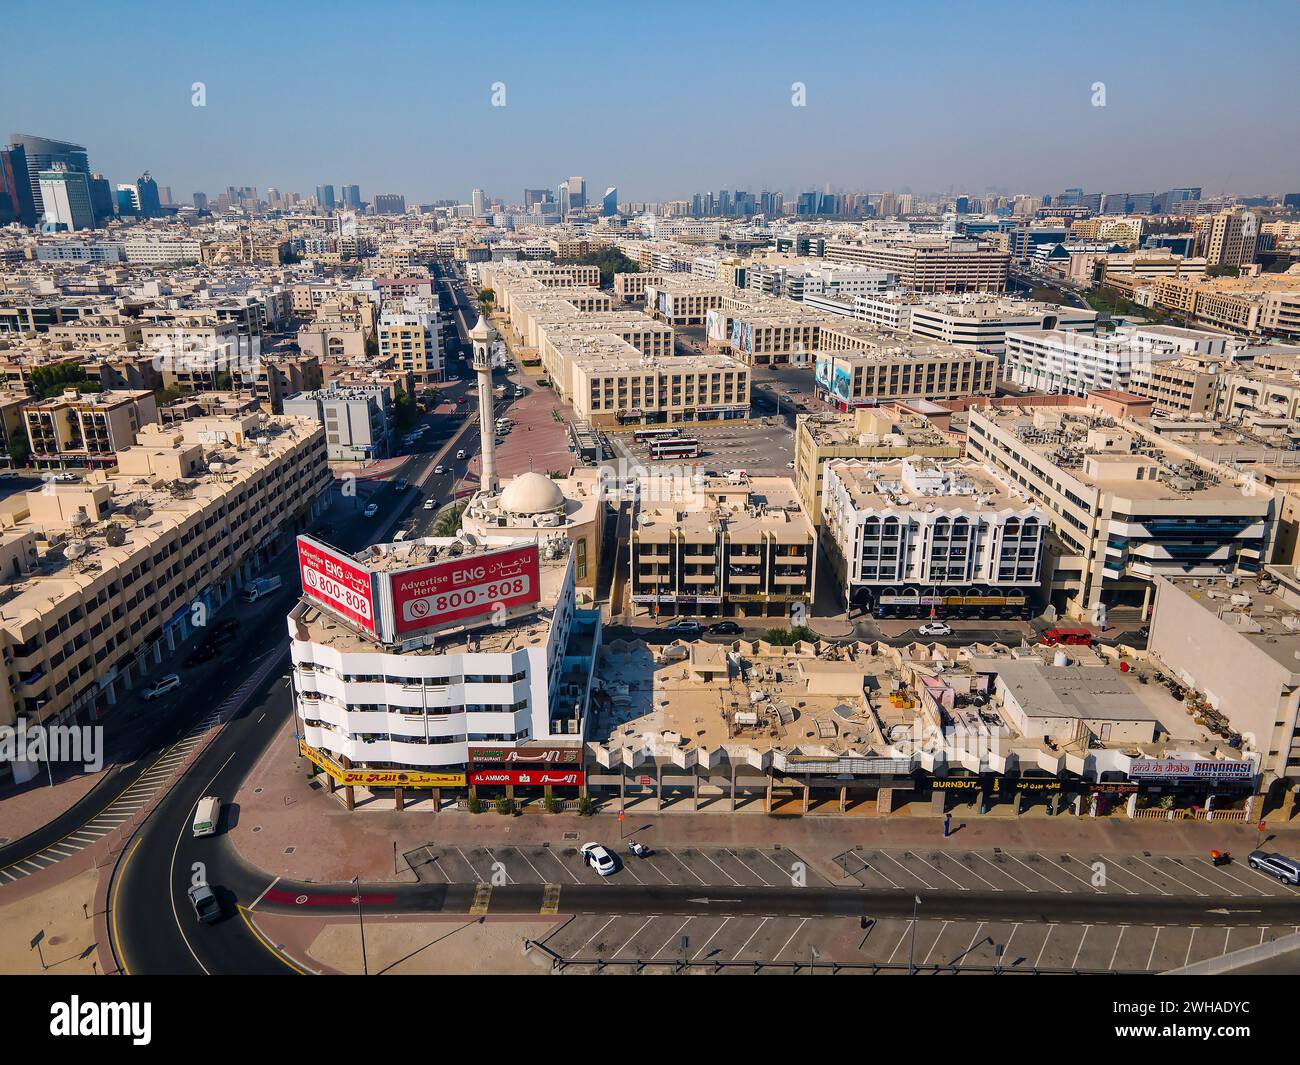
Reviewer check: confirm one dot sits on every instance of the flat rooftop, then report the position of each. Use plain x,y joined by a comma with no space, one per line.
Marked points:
709,695
1099,451
1256,609
948,486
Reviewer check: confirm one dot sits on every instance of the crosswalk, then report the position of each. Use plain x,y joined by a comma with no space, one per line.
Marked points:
136,799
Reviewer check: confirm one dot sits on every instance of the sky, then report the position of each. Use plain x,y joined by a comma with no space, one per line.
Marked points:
665,99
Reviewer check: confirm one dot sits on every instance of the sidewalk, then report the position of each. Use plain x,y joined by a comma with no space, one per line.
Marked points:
35,804
303,833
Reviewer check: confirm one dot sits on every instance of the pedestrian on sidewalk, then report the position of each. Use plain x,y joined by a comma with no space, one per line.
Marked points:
947,825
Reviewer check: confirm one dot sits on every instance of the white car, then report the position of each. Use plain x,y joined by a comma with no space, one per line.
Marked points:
461,453
372,510
935,628
164,684
598,857
440,469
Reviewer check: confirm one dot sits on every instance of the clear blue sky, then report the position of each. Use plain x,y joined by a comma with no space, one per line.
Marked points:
665,99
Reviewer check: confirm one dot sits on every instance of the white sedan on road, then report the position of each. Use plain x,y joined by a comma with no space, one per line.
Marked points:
598,857
935,628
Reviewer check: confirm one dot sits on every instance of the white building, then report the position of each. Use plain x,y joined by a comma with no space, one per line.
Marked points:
415,664
1054,360
905,537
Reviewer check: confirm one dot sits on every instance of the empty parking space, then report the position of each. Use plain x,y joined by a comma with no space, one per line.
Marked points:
749,867
776,943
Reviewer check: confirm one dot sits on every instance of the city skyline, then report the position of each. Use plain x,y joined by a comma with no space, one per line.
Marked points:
1043,130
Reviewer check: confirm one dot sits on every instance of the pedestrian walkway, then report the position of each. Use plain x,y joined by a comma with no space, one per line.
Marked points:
123,814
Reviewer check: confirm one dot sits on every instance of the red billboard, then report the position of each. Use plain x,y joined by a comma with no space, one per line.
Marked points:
534,777
464,588
337,582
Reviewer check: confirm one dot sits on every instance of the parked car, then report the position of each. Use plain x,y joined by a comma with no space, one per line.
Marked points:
204,652
372,510
935,628
598,857
686,627
726,628
206,907
225,629
400,486
1285,869
169,682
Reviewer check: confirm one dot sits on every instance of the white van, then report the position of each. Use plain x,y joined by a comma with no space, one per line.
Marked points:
206,816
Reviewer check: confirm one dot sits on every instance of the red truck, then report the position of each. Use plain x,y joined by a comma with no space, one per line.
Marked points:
1060,637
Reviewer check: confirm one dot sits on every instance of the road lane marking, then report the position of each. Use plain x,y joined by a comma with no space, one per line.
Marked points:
260,897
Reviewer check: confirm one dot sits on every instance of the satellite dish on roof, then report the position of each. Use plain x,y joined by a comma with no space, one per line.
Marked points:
115,535
75,550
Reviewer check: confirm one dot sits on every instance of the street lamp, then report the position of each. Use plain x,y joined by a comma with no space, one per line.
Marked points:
911,955
361,924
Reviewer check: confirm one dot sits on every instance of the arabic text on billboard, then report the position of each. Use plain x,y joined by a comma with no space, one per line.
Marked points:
464,588
335,581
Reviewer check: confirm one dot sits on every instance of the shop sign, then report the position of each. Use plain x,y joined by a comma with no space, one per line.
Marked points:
529,777
518,755
1199,769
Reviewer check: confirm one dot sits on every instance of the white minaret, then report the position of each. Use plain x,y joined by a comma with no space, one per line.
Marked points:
481,335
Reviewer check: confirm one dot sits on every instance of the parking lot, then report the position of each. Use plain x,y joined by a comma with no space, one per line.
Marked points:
562,864
943,868
755,447
780,942
947,869
777,944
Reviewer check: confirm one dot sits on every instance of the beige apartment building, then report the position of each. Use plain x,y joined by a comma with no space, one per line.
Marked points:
630,288
412,338
931,264
1189,385
1252,305
612,384
1123,508
868,433
1232,238
86,429
681,301
729,546
100,578
558,339
100,331
857,366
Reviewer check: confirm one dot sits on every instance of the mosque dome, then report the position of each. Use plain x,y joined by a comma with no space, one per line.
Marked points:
531,493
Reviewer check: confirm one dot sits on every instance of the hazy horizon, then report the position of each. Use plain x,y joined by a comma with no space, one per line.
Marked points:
934,97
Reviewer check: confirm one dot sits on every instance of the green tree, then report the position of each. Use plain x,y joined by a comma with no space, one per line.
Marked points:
448,523
19,451
610,260
792,635
405,411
